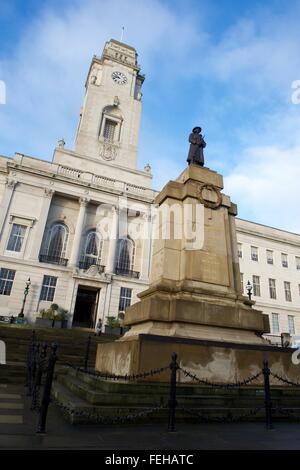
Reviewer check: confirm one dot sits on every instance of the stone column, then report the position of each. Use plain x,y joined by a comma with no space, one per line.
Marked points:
41,224
6,200
110,265
146,251
78,231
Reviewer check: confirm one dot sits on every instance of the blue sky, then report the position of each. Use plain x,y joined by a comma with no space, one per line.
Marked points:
225,65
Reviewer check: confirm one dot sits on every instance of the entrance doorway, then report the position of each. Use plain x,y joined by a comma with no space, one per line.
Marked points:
86,307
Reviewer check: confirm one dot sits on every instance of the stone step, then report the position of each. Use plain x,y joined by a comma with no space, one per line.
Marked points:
93,397
79,405
246,392
66,334
11,419
132,397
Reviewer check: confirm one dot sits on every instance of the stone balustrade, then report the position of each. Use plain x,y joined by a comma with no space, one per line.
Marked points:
104,181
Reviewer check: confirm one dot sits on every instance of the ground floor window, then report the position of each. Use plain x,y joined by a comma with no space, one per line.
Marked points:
7,277
275,322
291,324
48,288
125,299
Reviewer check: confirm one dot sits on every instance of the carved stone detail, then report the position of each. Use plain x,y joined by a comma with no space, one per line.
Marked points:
207,202
108,151
83,201
48,192
11,183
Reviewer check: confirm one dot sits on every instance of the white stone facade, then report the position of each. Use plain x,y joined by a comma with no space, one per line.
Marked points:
81,188
283,248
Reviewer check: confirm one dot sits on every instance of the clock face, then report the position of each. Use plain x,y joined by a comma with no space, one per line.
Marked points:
119,78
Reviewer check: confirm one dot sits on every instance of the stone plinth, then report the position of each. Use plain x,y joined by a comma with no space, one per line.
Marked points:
216,361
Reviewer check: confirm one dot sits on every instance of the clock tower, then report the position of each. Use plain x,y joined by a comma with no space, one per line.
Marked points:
110,116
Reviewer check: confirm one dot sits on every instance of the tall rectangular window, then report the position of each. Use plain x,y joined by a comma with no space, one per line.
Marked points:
291,324
284,260
125,299
240,250
254,253
242,282
298,263
272,288
7,277
270,257
109,130
275,323
256,285
48,288
16,237
287,291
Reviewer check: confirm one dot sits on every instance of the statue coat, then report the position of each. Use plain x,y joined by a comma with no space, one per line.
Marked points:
196,149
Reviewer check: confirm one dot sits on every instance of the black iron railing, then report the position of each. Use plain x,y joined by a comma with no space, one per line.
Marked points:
53,260
87,263
127,272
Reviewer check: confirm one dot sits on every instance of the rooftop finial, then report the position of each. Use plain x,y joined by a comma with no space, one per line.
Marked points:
122,34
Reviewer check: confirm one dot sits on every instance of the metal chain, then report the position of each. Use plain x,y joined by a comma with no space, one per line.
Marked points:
106,419
282,379
229,418
105,375
219,385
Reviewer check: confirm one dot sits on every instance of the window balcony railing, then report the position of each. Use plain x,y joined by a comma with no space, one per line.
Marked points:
127,272
53,260
85,264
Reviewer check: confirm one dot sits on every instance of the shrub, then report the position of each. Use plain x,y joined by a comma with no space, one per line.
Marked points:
112,322
61,314
48,314
54,312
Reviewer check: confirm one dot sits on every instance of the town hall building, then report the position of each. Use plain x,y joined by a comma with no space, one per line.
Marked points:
68,224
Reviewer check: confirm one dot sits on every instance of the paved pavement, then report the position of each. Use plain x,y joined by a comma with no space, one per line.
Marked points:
18,424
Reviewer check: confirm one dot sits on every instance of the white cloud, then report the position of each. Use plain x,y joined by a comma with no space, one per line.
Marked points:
265,186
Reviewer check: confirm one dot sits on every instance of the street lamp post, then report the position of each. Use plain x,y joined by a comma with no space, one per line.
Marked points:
26,290
249,290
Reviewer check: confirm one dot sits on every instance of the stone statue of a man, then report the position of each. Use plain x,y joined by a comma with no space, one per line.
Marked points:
196,148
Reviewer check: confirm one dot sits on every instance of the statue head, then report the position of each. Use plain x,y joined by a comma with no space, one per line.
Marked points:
197,130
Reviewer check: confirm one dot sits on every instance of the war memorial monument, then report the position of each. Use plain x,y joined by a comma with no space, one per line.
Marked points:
194,305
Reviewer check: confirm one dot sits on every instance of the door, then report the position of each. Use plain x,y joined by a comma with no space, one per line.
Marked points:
86,307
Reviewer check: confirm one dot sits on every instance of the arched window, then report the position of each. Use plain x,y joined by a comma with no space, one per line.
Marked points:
125,256
92,250
56,244
58,238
